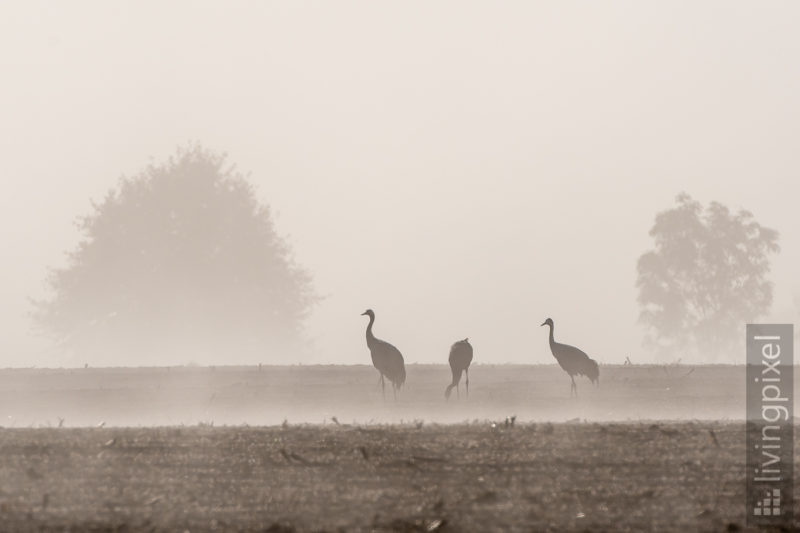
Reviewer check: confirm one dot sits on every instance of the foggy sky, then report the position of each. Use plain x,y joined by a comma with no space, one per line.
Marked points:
464,169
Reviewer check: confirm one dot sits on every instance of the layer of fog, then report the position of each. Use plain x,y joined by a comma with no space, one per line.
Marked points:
350,395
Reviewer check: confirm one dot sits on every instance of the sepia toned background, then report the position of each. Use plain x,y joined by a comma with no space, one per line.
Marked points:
463,169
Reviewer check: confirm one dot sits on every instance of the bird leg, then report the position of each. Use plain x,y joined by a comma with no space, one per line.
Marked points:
466,371
458,391
383,387
573,387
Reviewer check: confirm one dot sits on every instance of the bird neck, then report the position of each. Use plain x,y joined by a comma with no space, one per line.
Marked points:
552,340
370,336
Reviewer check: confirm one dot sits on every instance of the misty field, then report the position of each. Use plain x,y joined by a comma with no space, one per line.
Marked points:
315,394
316,448
411,477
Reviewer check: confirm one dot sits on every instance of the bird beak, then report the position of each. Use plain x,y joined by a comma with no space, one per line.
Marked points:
364,313
543,323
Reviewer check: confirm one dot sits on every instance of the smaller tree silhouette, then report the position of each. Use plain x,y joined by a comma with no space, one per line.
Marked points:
180,262
705,278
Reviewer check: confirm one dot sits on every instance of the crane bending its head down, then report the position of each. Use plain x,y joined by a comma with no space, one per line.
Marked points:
460,359
572,360
386,358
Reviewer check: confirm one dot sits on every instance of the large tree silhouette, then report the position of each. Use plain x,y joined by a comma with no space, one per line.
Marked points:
705,279
179,263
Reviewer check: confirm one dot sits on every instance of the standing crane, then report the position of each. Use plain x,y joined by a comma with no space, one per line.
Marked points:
386,358
572,360
460,359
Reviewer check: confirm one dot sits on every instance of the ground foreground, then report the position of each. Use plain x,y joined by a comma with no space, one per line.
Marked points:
484,476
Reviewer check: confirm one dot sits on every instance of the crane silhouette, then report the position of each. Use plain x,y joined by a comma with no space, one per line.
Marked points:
460,358
572,360
386,358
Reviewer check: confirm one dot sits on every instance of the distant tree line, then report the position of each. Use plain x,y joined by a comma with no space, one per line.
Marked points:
181,262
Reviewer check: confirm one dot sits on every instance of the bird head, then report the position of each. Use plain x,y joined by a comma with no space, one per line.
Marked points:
369,312
593,372
548,322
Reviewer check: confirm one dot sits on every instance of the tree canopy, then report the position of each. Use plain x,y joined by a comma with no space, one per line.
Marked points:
705,279
179,263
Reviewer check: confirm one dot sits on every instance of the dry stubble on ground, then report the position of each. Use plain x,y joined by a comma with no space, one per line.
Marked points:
473,477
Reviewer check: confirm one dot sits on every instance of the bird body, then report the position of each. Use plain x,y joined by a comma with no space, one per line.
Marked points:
385,358
460,359
572,360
